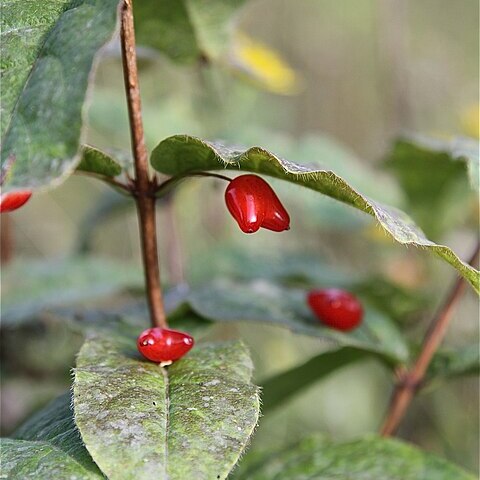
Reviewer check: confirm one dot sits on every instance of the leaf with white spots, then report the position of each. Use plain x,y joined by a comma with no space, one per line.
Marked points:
141,421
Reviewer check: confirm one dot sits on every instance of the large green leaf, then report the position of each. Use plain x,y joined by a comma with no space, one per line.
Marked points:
371,458
281,387
28,288
141,421
265,302
54,424
48,51
23,460
181,155
185,30
434,176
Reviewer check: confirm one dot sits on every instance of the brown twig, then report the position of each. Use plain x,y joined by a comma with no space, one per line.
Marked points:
117,185
171,182
411,380
6,240
145,187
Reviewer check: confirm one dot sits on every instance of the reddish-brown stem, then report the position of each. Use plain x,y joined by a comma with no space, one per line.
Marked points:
6,234
410,380
145,187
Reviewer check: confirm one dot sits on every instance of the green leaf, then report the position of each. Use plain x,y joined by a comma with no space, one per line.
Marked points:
282,387
141,421
22,460
31,287
462,150
186,30
434,177
265,302
48,52
455,363
371,458
54,425
98,162
182,154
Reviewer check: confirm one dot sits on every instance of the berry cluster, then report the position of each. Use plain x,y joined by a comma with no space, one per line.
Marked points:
254,205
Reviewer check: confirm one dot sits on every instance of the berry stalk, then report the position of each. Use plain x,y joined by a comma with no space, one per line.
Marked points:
144,186
410,381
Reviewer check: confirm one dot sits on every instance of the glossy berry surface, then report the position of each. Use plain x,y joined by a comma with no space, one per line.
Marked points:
163,345
13,200
253,204
336,308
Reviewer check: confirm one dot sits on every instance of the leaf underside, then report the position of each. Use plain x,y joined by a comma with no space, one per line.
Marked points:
181,155
48,52
141,421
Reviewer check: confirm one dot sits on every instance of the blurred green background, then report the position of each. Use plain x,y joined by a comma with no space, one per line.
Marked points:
365,72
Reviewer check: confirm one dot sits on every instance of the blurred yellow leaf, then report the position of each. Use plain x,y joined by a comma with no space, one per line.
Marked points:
264,65
470,121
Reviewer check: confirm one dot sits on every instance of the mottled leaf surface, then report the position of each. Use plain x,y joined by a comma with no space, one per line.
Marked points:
186,30
181,155
266,302
54,424
22,459
48,52
31,287
371,458
98,162
141,421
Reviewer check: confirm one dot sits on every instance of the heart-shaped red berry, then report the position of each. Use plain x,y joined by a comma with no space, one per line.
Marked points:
13,200
336,308
254,204
162,345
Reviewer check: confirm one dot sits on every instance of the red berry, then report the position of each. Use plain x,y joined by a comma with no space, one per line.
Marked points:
276,217
336,308
163,345
254,204
13,200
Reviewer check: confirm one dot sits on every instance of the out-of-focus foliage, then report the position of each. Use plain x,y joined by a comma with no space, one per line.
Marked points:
434,176
186,30
371,457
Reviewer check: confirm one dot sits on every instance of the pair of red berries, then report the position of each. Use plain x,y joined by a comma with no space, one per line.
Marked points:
336,308
13,200
254,205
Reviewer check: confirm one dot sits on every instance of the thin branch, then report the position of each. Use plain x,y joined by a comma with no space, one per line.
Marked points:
410,381
165,186
144,186
117,185
6,238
